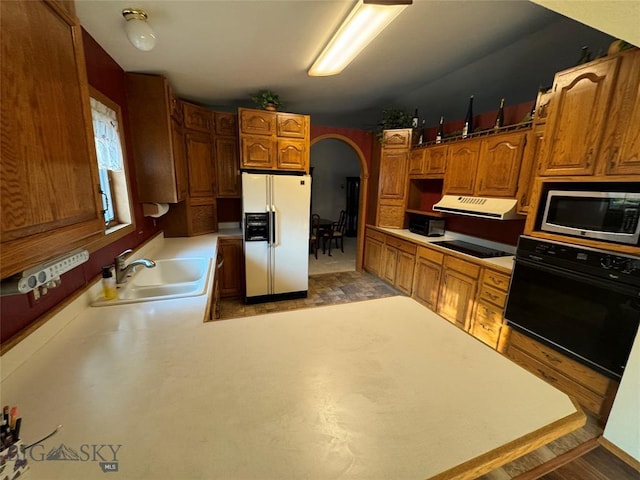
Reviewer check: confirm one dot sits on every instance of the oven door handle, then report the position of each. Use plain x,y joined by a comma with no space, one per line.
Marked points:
610,284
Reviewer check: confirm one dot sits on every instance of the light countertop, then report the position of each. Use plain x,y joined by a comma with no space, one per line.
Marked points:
504,263
376,389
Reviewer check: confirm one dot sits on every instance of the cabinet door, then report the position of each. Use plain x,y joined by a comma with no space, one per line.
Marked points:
457,293
435,161
393,175
404,272
179,160
623,157
389,265
227,167
530,162
416,160
462,164
232,271
373,253
578,112
197,118
257,152
426,283
291,125
200,161
292,154
226,124
48,174
257,122
499,165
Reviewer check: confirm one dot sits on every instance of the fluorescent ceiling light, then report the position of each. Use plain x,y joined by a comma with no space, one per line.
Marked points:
363,24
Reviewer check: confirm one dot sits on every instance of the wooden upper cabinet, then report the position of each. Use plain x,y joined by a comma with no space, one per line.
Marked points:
416,161
200,162
274,140
393,175
197,118
158,140
227,167
257,151
291,125
257,122
579,111
396,138
292,154
226,124
428,162
435,161
50,198
621,147
462,164
531,156
499,166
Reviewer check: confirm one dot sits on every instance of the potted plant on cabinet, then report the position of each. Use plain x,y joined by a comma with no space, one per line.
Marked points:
267,100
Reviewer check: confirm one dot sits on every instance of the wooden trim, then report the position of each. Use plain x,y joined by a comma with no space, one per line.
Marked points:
558,461
510,451
621,454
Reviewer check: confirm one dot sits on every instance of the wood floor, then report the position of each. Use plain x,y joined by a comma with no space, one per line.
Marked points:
598,464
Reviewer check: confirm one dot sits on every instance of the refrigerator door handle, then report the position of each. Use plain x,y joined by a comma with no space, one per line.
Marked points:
273,227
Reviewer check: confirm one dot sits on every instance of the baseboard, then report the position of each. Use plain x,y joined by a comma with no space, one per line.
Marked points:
621,454
558,461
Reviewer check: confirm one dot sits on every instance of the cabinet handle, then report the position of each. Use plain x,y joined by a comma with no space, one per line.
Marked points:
491,295
546,376
551,358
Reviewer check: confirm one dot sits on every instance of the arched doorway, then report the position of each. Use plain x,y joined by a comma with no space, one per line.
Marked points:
364,178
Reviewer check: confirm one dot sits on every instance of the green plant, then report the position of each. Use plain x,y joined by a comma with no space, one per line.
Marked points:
393,118
266,97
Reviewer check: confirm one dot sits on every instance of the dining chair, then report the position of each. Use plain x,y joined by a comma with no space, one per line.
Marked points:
314,234
336,232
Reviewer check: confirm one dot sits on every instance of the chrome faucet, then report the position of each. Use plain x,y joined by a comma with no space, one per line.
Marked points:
122,270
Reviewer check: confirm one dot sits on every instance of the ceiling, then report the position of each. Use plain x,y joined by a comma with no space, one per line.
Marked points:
432,57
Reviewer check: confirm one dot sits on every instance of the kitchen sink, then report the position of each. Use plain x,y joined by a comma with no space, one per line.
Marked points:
170,278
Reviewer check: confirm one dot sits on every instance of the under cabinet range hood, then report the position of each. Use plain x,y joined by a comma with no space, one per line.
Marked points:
483,207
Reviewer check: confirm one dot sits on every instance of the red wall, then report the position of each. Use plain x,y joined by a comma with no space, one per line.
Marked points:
18,311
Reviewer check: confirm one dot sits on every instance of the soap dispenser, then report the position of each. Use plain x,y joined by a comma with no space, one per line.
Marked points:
109,291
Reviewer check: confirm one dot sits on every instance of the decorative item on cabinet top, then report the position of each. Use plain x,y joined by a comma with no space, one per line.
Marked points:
267,100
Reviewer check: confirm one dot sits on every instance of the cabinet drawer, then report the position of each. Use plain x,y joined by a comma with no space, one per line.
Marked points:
487,324
572,369
491,295
375,234
496,280
431,255
402,245
588,399
454,263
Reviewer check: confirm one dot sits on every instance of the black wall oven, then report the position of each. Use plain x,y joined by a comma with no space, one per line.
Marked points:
580,301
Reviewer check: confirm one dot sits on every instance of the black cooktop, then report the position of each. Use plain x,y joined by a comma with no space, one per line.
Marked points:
471,249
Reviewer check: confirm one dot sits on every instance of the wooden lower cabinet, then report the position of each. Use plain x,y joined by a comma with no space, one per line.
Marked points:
592,390
488,321
458,291
399,263
373,252
232,270
427,276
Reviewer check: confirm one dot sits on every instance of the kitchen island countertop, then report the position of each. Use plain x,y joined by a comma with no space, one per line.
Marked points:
375,389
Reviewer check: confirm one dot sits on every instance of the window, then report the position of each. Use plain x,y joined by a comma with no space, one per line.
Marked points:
112,171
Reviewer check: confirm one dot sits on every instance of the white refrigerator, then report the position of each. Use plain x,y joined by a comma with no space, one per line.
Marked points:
275,216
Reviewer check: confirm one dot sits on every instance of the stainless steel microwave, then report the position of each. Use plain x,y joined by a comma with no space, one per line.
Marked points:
607,216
